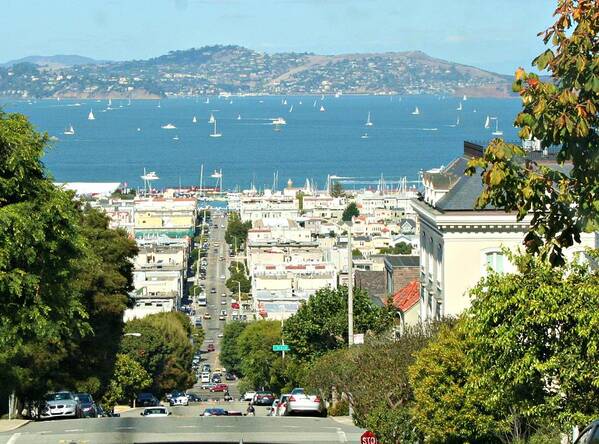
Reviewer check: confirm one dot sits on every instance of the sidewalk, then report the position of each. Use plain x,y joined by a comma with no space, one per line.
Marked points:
7,425
345,420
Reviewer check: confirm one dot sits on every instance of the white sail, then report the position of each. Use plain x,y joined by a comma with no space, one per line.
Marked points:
457,121
497,131
215,133
238,116
285,102
416,112
459,108
194,120
69,131
211,119
322,110
291,109
368,121
488,122
91,116
168,126
464,98
159,106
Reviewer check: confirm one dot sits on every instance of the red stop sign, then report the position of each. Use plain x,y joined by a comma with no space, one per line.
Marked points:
368,438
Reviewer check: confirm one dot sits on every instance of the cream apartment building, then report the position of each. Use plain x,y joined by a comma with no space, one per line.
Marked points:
459,244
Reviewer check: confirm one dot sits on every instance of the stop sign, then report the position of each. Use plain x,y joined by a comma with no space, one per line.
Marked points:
368,438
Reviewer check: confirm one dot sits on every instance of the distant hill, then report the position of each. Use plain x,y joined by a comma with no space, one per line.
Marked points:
234,69
55,60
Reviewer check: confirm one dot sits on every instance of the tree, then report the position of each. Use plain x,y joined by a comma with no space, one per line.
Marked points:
350,211
41,246
535,343
230,356
320,324
237,231
357,253
447,405
560,112
254,345
163,349
105,280
337,190
129,379
400,248
244,281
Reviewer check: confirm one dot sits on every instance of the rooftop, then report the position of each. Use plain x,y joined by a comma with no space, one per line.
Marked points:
407,297
394,261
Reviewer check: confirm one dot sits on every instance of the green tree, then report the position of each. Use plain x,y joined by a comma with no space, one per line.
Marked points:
237,231
357,253
105,280
254,345
337,190
320,324
244,281
163,349
129,379
448,407
562,112
535,343
41,246
400,248
350,211
230,356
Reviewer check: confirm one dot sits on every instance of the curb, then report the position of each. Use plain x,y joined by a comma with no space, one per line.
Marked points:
15,427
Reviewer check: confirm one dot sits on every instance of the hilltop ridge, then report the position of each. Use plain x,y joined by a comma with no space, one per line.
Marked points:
238,70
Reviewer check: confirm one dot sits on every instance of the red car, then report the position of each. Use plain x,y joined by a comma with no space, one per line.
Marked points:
210,347
235,305
219,388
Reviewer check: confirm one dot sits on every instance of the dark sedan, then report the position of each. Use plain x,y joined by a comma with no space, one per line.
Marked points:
88,406
147,400
263,398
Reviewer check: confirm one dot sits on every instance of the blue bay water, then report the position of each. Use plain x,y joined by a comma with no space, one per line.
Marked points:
312,145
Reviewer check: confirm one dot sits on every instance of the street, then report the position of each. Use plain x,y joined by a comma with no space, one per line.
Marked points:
188,427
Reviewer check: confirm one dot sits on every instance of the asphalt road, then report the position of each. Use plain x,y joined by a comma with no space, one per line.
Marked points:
184,429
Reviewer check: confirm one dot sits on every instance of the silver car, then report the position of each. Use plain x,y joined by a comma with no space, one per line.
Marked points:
299,403
60,405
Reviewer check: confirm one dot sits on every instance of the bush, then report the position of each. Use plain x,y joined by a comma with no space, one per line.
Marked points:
339,408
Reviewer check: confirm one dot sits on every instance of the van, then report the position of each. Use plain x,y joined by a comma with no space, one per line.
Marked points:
205,377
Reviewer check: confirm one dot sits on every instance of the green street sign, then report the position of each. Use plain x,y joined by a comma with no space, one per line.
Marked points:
280,348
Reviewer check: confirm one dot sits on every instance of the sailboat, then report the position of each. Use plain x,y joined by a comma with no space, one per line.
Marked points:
129,102
284,101
488,122
70,131
168,126
214,132
368,121
238,116
207,100
291,109
176,137
314,104
497,131
416,112
91,116
211,119
194,120
109,104
459,108
457,122
159,105
464,98
322,110
300,102
364,136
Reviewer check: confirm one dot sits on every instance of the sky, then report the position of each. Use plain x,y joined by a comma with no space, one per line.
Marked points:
498,35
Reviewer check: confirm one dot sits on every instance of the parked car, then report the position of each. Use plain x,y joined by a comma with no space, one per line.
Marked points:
216,377
235,306
219,388
214,411
60,405
213,290
210,347
146,400
194,398
179,399
247,396
263,398
590,434
301,403
222,318
87,405
207,316
153,412
205,378
230,376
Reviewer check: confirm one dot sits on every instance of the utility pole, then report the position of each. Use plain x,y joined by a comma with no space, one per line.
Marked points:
350,290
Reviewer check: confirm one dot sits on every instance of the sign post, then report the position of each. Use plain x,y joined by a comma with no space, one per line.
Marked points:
368,438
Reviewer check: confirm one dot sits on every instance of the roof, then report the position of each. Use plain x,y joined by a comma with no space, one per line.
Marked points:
463,195
407,297
394,261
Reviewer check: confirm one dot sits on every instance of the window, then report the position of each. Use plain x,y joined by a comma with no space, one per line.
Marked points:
494,261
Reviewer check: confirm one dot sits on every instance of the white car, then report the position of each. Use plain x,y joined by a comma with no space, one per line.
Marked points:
60,404
155,412
222,276
300,403
179,400
205,377
248,396
280,405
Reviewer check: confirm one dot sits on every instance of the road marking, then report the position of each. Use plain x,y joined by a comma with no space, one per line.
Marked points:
125,428
13,438
341,435
224,426
188,427
293,427
73,430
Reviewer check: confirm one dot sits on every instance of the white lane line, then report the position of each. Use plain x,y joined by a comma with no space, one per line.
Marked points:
224,426
293,427
13,438
341,435
188,427
125,428
73,430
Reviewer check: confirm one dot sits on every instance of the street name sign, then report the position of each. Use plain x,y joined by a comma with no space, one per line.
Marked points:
280,348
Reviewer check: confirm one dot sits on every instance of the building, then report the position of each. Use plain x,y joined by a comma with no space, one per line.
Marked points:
165,217
268,206
406,302
458,244
400,271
